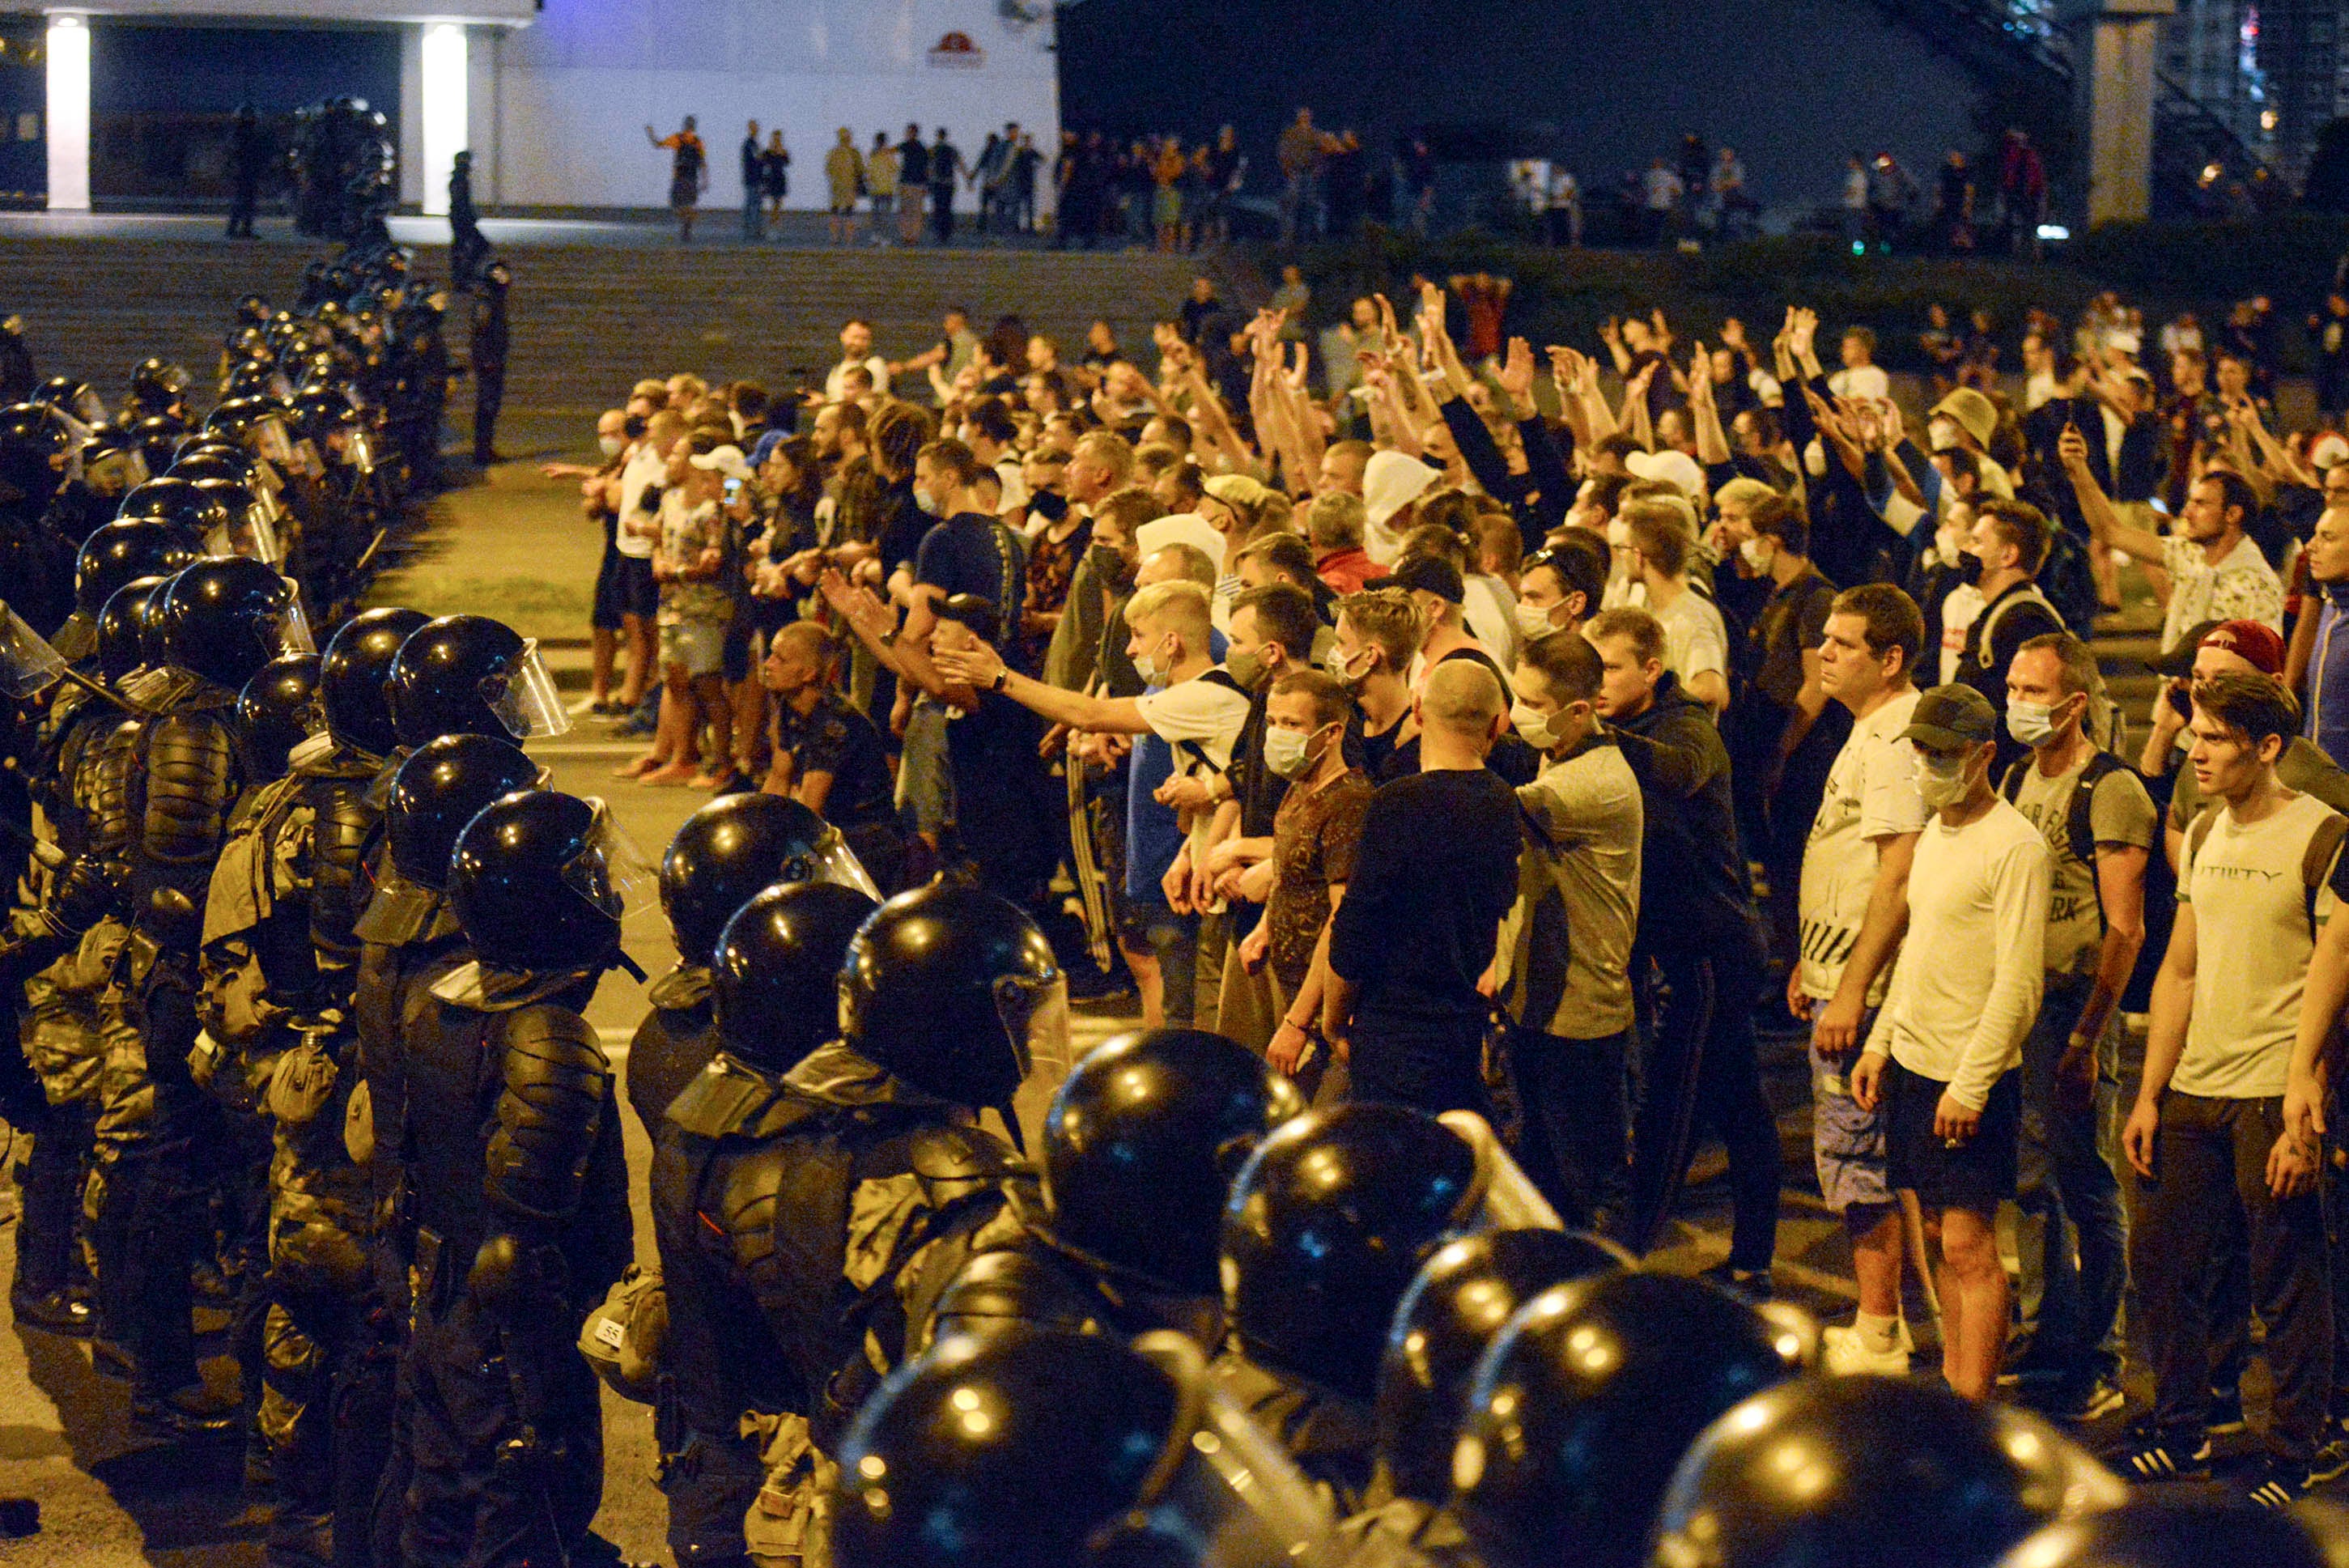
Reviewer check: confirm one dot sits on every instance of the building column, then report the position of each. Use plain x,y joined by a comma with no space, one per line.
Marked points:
66,127
442,95
2116,52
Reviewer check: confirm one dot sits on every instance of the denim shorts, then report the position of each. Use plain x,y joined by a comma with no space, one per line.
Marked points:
1846,1142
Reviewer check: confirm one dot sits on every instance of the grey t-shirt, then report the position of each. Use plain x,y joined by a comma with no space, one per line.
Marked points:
1566,945
2120,813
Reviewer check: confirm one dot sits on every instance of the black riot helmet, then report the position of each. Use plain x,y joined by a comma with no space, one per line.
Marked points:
122,626
2149,1531
441,788
1872,1473
35,441
159,437
77,399
255,378
1041,1448
1584,1404
276,712
955,991
352,675
117,552
207,459
1325,1227
1462,1298
226,616
113,463
539,882
1142,1143
157,386
175,500
774,971
737,845
469,675
252,310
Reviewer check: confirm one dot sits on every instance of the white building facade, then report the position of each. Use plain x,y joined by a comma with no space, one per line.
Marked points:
553,102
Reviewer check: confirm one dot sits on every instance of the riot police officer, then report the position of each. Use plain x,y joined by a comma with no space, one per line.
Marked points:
281,946
408,939
1139,1148
519,1191
469,675
1326,1225
773,978
1049,1450
724,853
220,621
947,997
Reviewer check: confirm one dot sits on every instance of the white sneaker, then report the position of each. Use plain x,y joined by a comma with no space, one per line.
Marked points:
1844,1353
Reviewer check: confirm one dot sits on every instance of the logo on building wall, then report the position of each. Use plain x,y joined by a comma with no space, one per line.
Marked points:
956,52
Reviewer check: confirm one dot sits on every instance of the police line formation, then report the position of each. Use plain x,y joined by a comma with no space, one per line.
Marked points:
307,929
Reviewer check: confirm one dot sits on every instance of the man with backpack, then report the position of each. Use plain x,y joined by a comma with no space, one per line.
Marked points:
2099,824
2010,539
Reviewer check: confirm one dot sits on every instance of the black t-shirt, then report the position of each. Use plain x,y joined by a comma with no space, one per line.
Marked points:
1510,756
835,739
973,553
1436,870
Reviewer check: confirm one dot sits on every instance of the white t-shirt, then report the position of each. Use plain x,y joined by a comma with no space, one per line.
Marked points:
2241,587
833,390
1871,794
1966,988
1491,615
1960,607
645,469
1861,382
2251,948
1007,473
1200,721
1695,640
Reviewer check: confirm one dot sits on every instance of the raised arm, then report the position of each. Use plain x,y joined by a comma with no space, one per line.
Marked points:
2104,522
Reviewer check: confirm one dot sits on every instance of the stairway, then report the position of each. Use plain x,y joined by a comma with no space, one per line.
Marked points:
589,319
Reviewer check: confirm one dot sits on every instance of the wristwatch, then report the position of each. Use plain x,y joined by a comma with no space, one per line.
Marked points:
1001,676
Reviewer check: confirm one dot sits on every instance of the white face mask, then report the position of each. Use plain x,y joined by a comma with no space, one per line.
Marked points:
1756,554
2032,724
1619,533
1949,544
1285,751
1939,781
1533,620
1536,729
611,444
1146,665
1940,435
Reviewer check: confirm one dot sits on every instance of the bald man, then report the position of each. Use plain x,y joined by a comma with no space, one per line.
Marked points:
1434,875
827,755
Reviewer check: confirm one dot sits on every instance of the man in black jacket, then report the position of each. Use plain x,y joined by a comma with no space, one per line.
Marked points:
1696,922
2011,540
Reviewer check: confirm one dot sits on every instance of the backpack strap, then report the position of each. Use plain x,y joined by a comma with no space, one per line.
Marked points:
1218,676
2079,821
2317,859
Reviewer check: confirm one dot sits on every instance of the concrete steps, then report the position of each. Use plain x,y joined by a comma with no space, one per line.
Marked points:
587,319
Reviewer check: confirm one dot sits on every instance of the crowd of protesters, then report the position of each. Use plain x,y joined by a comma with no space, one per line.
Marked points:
1444,721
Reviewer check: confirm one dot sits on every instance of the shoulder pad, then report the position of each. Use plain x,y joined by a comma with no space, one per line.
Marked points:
687,985
956,1153
723,1098
1023,1285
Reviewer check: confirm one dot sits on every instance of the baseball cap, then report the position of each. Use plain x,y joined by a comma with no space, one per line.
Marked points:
1673,466
1950,717
1430,574
2249,639
725,460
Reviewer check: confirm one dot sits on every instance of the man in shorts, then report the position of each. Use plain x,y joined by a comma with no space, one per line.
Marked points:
695,609
1943,1065
1854,906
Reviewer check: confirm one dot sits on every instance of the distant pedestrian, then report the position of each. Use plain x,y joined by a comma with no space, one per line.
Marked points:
466,246
775,176
843,173
754,187
946,166
883,176
913,185
248,160
689,174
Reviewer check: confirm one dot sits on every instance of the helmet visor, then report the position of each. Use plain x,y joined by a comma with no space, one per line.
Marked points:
358,450
1035,1015
270,441
294,624
832,861
524,699
117,472
612,872
1506,1198
1224,1495
158,688
27,663
249,534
